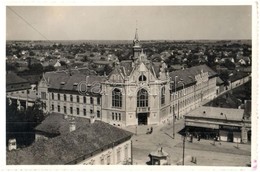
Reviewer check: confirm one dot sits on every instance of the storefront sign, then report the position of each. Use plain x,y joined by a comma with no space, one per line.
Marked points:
229,127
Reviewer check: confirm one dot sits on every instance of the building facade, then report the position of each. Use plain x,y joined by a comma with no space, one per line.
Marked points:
225,123
137,91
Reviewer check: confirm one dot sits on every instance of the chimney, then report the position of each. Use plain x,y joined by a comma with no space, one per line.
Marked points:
12,144
92,118
72,125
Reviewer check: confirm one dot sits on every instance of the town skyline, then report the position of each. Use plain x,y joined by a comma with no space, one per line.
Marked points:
119,23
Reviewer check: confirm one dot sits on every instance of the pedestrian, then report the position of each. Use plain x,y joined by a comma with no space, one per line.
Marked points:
198,137
147,132
151,130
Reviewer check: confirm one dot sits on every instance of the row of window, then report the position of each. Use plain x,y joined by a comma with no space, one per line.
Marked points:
71,98
142,98
108,157
116,116
77,110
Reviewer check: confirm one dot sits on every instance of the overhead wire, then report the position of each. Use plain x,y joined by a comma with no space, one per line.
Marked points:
28,23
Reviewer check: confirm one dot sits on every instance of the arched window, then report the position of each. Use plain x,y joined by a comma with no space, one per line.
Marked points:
142,98
163,95
116,98
142,78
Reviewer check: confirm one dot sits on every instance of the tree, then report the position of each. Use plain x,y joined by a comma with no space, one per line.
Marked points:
21,124
49,68
36,68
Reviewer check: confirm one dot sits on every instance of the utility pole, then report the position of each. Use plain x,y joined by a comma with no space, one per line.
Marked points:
173,123
183,153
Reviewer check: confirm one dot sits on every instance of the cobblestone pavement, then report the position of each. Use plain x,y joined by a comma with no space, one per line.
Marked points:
206,153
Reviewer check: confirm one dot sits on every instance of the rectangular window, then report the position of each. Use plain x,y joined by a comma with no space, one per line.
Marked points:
84,99
84,112
98,113
65,109
118,155
108,160
116,116
58,96
58,108
52,96
102,162
78,99
77,111
126,152
52,107
65,97
91,100
71,98
119,116
113,116
91,111
43,95
71,110
98,100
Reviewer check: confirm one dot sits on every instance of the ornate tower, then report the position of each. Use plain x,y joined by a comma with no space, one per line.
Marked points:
136,46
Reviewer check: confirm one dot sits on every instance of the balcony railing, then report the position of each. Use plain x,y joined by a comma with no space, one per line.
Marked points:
142,109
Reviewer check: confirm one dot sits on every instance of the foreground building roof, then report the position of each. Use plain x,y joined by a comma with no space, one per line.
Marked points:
87,140
217,113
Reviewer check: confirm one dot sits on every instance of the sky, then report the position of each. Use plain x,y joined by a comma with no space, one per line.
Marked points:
119,23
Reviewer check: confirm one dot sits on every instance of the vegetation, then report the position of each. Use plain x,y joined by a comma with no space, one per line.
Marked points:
20,124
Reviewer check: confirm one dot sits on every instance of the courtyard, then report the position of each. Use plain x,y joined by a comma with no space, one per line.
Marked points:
206,152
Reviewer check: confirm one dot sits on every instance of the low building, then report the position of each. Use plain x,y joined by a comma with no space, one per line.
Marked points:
225,123
18,91
75,142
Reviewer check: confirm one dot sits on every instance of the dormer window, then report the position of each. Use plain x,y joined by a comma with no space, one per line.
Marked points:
142,78
75,86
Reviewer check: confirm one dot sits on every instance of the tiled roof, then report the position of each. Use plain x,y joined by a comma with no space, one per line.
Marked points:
69,82
12,78
15,82
56,124
217,113
187,76
68,147
219,81
127,66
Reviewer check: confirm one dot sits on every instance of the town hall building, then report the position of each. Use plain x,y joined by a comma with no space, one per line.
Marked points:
137,92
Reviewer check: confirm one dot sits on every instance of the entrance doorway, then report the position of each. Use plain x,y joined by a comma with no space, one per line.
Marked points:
142,118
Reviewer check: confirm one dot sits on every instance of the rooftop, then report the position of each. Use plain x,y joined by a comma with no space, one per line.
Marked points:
217,113
68,147
187,76
56,124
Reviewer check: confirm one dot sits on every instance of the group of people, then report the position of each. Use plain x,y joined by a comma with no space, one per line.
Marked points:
149,131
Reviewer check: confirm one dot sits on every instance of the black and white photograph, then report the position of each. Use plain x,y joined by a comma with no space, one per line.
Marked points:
150,85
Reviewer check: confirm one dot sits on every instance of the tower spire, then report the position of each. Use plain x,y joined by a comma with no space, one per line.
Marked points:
136,34
136,30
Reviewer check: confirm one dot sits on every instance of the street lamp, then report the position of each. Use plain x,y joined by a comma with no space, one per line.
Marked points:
173,123
183,148
175,84
181,82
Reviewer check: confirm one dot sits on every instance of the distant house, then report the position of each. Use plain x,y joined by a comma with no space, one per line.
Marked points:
75,141
244,60
57,64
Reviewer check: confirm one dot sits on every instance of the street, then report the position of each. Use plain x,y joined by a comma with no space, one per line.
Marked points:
206,152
